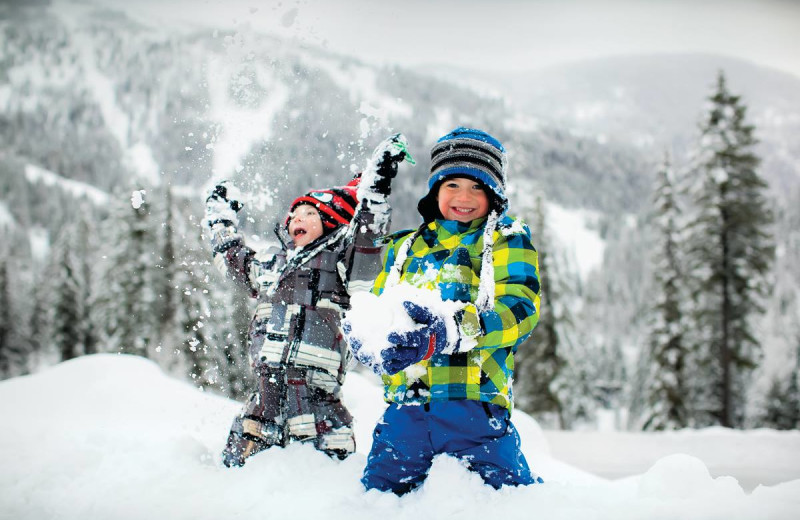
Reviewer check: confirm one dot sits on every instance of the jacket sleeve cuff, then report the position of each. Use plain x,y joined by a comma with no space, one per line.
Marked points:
223,237
469,327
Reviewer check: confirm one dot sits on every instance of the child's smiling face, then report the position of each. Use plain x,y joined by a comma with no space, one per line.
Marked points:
305,225
462,199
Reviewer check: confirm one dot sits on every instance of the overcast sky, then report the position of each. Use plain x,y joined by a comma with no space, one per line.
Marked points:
506,34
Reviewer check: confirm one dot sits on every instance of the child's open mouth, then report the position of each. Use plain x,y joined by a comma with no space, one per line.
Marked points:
299,232
463,211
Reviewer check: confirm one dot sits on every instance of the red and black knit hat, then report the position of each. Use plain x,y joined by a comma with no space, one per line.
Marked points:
336,206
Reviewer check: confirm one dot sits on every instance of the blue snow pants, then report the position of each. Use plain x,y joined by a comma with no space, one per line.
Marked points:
407,438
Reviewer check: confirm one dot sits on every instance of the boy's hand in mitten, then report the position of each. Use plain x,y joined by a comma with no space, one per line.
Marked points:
222,204
390,361
413,346
386,157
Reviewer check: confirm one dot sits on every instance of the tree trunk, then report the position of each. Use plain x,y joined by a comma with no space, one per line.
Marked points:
725,350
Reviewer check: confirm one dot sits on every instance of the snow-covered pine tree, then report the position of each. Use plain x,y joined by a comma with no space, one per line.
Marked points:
125,301
213,317
66,326
15,302
728,254
664,385
164,275
575,385
781,407
781,324
38,323
539,360
85,250
7,352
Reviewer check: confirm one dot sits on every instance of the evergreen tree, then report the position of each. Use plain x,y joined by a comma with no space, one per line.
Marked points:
729,252
39,326
575,386
125,301
14,285
164,275
539,360
66,312
7,354
782,407
213,314
665,388
85,248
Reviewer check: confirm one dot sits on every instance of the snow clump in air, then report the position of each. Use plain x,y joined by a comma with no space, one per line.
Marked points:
137,198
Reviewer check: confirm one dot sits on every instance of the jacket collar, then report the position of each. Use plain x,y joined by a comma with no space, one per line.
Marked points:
440,230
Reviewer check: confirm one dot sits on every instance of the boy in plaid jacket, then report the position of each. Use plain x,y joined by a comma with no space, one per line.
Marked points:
457,368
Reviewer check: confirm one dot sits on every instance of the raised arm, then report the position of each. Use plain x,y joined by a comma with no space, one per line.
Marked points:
231,256
373,216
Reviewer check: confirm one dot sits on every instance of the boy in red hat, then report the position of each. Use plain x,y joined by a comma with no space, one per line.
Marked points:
296,345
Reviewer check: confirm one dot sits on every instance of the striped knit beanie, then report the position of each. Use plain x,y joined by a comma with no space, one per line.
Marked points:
336,206
467,152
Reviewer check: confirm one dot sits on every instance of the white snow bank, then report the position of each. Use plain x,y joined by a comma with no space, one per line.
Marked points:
754,457
111,436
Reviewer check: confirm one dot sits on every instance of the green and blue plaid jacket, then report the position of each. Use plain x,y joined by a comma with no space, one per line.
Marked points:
448,255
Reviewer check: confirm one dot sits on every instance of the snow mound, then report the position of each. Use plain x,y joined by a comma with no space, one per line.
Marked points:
112,436
685,477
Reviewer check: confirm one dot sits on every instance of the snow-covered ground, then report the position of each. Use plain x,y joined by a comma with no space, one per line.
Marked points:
112,436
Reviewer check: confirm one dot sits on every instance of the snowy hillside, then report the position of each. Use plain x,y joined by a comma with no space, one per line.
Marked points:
111,436
654,102
150,104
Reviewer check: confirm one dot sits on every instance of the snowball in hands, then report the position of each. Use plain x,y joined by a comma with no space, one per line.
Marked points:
372,319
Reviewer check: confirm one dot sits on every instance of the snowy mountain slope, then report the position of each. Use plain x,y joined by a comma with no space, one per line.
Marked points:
654,102
133,102
577,237
111,436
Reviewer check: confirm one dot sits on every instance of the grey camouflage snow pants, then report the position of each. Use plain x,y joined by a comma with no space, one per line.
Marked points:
286,408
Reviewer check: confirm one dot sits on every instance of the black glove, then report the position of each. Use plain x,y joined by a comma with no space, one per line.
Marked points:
222,204
387,156
220,192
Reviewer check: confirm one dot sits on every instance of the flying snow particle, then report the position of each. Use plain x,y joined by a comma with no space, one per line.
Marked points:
365,130
137,198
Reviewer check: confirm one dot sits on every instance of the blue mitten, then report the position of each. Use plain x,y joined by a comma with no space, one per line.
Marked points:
417,345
